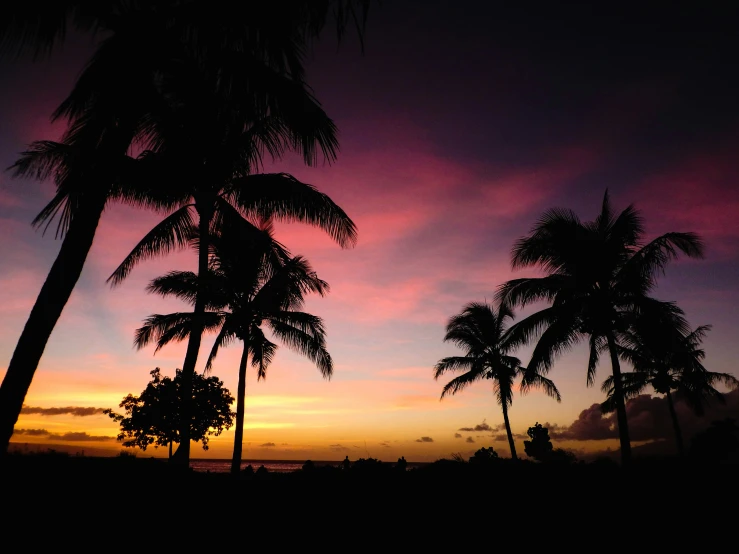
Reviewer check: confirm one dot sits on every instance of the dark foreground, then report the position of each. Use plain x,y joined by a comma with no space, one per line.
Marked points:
502,504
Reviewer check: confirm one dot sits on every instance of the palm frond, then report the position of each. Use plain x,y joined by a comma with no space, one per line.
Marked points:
175,231
312,347
262,352
453,363
226,335
531,327
559,337
282,197
598,344
461,382
550,243
163,329
531,380
641,270
522,292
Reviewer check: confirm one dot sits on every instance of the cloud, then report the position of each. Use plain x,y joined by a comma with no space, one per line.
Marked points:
268,444
479,427
67,437
504,437
457,435
484,426
338,448
32,432
425,439
385,444
470,439
648,417
67,410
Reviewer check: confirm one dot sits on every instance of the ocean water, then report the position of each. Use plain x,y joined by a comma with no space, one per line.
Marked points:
224,466
282,466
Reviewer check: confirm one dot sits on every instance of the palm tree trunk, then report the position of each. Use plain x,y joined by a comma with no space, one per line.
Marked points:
240,409
618,394
182,455
170,450
508,431
49,305
676,426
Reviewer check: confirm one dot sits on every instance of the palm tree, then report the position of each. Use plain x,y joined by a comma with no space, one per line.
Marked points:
482,332
598,278
214,163
246,291
140,68
668,361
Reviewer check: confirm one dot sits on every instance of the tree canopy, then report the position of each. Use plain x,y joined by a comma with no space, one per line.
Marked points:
154,416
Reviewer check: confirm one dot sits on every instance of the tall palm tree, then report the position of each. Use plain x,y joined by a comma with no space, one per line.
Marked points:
214,162
246,292
668,361
482,332
142,65
598,278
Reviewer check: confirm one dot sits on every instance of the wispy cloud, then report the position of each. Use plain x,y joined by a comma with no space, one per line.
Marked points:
67,437
78,411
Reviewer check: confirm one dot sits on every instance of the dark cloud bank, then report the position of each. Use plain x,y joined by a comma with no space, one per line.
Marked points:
67,437
67,410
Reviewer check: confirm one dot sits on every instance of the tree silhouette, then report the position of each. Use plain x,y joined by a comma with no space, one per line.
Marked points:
152,55
481,331
154,416
668,361
540,445
249,286
599,276
484,456
720,442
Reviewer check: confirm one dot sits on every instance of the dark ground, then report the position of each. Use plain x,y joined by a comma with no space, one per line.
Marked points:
658,503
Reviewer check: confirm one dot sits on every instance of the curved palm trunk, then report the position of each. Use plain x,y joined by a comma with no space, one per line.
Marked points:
49,305
508,432
618,394
676,426
182,455
240,409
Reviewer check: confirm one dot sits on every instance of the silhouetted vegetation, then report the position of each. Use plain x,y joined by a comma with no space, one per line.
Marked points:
540,445
205,90
541,449
154,416
481,332
669,361
252,283
599,279
718,443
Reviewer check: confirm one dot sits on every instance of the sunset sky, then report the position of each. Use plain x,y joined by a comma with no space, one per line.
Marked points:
458,128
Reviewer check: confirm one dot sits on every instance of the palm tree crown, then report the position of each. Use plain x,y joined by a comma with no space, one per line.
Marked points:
668,361
482,332
251,284
599,275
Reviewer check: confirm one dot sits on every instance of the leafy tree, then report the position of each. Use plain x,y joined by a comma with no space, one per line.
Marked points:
540,445
154,416
668,361
484,456
155,56
598,278
481,331
251,285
